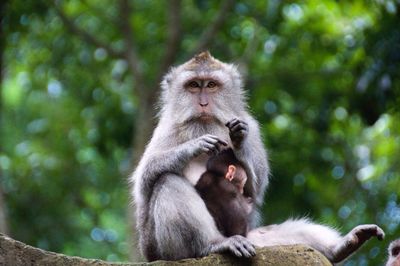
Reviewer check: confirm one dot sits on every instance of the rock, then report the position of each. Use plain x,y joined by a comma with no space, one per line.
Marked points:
16,253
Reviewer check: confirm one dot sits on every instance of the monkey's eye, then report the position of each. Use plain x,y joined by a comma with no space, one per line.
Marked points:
212,86
193,84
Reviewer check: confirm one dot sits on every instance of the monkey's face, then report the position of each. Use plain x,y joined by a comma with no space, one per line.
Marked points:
202,93
394,254
203,90
206,96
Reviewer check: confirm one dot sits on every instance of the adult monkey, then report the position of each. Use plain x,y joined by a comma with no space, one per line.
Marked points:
203,107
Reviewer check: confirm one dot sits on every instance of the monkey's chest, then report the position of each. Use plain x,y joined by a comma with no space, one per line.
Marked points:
195,168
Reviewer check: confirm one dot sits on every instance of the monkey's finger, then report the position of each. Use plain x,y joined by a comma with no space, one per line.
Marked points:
235,251
240,123
215,140
246,247
211,142
213,149
211,138
236,122
230,246
243,250
219,146
232,122
222,142
209,147
250,248
239,127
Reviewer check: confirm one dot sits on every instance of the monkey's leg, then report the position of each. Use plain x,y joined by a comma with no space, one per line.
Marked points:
183,227
354,239
300,231
320,237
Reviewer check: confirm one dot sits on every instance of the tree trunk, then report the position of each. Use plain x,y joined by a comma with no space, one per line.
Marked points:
3,215
144,124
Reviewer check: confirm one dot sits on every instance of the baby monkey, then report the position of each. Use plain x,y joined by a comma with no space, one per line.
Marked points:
221,188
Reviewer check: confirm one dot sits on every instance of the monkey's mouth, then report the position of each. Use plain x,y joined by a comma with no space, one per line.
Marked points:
206,116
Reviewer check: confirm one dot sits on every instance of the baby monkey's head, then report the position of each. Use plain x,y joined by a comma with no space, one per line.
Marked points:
226,164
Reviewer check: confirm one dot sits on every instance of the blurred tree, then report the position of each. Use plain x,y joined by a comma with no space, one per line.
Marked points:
81,81
146,79
164,54
3,215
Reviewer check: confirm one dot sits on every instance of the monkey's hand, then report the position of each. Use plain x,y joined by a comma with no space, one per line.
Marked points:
238,245
209,144
238,131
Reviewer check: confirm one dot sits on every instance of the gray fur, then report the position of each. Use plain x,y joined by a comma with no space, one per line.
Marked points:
323,238
172,220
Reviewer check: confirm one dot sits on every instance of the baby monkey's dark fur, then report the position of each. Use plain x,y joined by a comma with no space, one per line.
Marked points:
221,188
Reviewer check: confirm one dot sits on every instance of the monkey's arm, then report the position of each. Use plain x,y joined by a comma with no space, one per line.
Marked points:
156,161
253,156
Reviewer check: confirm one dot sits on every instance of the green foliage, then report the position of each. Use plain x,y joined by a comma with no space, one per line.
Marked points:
323,80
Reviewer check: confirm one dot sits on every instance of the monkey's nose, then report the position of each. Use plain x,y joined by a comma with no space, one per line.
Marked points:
203,104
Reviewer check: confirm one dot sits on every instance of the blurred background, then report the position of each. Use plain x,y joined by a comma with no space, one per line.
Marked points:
79,83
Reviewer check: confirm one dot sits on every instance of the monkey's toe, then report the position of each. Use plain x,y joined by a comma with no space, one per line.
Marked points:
239,246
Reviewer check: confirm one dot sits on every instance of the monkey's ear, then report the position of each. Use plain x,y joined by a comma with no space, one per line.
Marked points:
230,174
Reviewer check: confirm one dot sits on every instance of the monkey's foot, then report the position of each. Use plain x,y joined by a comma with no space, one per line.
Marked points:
354,239
238,245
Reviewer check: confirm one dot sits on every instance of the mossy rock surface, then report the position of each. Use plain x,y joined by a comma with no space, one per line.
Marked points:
13,252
